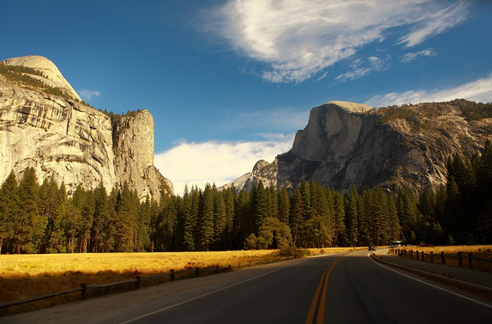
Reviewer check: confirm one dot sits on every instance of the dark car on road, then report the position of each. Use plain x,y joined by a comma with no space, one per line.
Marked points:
372,248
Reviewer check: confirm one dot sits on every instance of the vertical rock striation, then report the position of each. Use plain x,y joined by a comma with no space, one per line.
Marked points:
133,146
71,142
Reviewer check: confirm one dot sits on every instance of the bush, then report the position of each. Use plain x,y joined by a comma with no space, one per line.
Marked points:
290,251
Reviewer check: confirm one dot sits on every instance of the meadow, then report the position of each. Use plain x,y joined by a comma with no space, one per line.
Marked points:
29,275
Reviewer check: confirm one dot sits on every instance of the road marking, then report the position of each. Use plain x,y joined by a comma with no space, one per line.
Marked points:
431,285
207,294
319,300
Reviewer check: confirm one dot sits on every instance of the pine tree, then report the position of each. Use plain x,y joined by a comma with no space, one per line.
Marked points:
243,226
100,219
351,216
283,206
339,213
29,225
297,221
188,223
394,222
259,205
57,242
9,208
305,190
125,221
143,235
206,218
219,219
88,209
228,195
154,224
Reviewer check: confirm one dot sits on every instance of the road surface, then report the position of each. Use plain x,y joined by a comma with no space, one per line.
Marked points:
341,288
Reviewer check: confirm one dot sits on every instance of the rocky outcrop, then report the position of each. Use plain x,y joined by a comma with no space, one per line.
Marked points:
262,171
71,142
347,144
61,139
51,75
133,146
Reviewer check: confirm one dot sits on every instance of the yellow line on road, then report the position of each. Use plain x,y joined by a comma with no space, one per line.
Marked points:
319,300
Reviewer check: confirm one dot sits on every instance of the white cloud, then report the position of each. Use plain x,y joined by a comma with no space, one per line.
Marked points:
299,38
217,162
480,91
408,57
360,68
88,94
435,22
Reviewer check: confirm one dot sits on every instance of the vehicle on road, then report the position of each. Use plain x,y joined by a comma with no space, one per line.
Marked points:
372,248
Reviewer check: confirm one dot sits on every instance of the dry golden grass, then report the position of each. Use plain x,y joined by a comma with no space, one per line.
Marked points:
335,250
26,276
479,251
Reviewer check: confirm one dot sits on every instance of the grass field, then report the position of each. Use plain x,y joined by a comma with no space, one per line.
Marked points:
479,251
28,275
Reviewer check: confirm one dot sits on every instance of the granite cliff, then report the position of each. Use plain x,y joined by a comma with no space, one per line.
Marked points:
65,139
347,144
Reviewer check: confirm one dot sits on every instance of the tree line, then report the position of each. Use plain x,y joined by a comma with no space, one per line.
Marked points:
43,219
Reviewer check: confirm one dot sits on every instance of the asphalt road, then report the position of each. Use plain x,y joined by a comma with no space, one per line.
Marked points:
329,289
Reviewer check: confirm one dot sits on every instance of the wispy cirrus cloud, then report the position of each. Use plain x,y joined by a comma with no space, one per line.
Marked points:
297,39
480,91
408,57
88,94
434,22
217,162
361,68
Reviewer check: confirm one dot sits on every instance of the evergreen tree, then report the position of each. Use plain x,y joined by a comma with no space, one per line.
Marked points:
394,222
206,218
219,220
351,216
125,220
29,225
243,226
57,242
339,217
100,218
228,195
259,205
154,223
283,206
297,221
9,208
48,206
305,190
86,223
143,227
188,222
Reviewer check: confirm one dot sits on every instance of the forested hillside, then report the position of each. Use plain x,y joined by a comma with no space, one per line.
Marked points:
41,219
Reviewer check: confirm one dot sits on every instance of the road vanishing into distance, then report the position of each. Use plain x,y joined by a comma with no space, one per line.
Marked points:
337,288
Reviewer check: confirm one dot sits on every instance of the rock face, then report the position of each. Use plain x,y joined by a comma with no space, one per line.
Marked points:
347,144
133,146
52,76
71,142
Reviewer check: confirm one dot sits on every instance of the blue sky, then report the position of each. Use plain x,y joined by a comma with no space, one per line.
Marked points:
230,82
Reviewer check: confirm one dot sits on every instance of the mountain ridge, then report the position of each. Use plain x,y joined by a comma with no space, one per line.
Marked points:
389,148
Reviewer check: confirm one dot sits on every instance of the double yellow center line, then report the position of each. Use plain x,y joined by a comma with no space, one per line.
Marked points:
317,310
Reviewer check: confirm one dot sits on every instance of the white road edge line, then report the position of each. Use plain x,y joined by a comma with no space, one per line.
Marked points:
431,285
198,297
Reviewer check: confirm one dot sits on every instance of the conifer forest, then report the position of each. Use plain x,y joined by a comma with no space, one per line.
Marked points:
44,219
